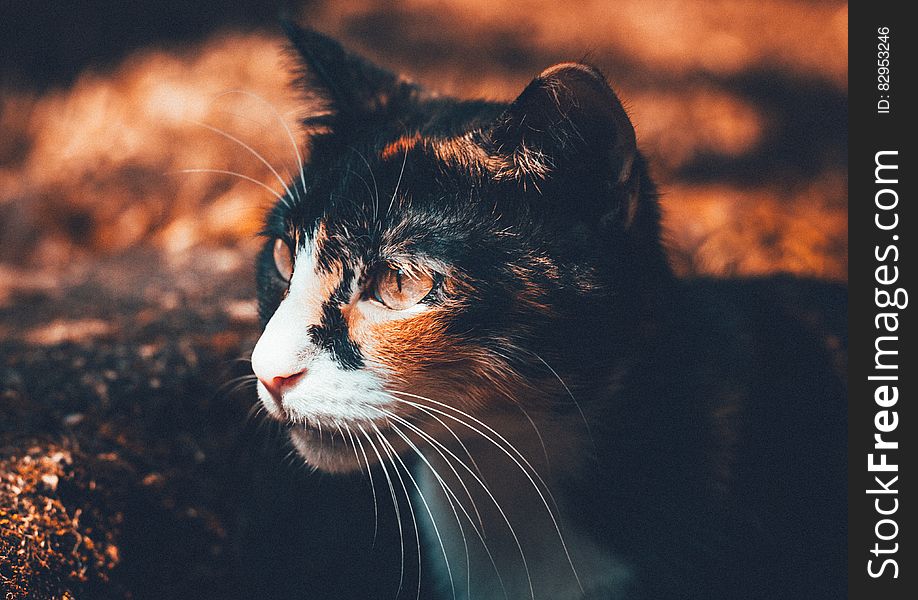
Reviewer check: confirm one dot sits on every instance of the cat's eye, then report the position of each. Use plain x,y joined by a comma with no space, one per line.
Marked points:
400,290
283,259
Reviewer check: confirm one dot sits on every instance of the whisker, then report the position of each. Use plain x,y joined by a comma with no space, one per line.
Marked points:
370,475
240,359
487,427
537,432
569,393
238,387
398,183
280,119
373,177
233,173
365,184
465,449
255,411
248,377
268,154
449,498
538,490
526,414
499,508
424,435
254,153
229,388
480,532
392,453
398,516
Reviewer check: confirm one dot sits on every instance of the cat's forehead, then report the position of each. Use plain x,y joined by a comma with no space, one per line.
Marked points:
407,194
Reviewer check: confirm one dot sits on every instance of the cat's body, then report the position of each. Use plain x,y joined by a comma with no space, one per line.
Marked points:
477,291
716,465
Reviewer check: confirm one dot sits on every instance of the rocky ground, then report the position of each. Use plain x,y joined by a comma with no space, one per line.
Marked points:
118,421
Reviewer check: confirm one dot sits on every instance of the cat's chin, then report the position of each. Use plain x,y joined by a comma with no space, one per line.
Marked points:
332,452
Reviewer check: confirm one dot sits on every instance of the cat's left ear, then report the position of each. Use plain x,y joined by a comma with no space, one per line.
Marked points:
567,120
354,87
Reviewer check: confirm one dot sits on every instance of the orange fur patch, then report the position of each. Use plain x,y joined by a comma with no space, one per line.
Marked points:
321,237
399,146
400,345
419,356
460,151
407,345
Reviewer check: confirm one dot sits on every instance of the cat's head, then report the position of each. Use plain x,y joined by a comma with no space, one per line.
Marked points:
437,255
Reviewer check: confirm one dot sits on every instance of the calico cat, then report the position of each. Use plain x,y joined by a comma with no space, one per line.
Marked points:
469,301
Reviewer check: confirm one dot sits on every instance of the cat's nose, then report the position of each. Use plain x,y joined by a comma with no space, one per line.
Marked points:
275,367
278,384
283,351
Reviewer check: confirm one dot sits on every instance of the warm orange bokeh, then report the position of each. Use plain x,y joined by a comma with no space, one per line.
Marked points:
95,167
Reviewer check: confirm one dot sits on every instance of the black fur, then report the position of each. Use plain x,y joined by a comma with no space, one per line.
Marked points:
332,335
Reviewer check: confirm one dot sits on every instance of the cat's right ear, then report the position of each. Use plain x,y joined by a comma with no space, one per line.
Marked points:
567,120
569,126
354,88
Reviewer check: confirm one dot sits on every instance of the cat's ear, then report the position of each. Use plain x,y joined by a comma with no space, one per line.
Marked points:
567,120
354,87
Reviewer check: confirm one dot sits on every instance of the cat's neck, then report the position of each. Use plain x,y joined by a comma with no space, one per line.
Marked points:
513,497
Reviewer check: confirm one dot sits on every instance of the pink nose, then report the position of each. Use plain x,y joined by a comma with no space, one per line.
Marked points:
278,384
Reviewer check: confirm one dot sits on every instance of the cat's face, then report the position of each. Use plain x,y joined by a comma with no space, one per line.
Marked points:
439,258
379,291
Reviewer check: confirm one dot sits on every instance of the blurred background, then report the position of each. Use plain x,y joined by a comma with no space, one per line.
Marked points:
129,462
740,105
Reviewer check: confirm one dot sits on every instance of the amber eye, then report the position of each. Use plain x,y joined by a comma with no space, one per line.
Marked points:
283,259
399,290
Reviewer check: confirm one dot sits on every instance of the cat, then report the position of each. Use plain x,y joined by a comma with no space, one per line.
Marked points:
469,302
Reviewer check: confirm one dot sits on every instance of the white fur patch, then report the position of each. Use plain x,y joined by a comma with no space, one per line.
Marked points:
325,395
331,396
